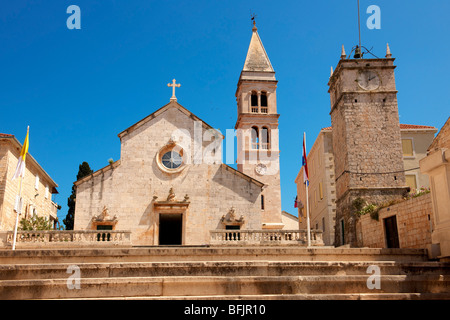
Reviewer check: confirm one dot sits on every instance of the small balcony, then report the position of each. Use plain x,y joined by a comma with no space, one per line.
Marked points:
69,238
265,146
265,237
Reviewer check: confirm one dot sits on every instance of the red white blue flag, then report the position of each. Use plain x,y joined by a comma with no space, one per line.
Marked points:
304,162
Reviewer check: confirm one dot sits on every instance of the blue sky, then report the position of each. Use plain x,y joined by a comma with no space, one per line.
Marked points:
77,89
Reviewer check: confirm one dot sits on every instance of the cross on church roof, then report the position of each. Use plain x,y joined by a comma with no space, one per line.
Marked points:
173,85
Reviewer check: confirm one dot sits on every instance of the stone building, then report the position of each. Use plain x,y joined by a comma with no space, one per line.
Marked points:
170,185
322,190
423,220
415,141
37,188
290,222
406,224
366,138
437,166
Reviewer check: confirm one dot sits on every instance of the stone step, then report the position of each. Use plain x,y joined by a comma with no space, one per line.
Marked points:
217,286
205,253
305,296
221,273
215,268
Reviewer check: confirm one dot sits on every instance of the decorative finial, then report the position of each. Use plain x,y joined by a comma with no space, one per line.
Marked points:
105,213
331,74
343,54
388,51
171,196
254,21
232,213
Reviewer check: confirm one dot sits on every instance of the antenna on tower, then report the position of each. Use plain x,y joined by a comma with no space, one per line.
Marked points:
357,49
358,54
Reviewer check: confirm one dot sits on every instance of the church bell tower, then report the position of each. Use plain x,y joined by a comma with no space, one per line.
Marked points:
366,139
257,129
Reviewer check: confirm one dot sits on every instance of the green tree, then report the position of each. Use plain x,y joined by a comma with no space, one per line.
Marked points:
83,171
35,223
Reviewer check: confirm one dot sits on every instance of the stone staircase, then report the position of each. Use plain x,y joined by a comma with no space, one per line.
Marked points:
221,273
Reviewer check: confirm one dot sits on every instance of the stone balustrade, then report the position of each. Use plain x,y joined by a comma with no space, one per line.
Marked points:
70,238
265,237
118,238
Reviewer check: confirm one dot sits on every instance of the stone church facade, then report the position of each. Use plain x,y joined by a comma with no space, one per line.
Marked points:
170,185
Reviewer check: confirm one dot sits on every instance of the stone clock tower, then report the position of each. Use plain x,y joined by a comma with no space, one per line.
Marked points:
366,139
257,129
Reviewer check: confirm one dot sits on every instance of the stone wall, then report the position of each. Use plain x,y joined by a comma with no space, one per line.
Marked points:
289,220
414,224
437,166
443,138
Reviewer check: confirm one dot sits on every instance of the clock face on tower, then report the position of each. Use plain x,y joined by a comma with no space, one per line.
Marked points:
368,80
261,169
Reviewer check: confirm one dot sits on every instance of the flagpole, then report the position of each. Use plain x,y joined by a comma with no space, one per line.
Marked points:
308,230
19,211
19,205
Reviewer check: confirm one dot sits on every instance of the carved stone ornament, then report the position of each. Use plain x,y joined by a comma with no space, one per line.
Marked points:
104,216
171,141
171,196
230,218
170,203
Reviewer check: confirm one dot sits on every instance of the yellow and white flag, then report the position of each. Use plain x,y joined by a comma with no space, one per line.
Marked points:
20,169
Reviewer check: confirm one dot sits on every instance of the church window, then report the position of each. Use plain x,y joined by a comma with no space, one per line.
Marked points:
104,227
264,102
262,202
254,99
254,102
263,99
255,138
265,138
172,159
